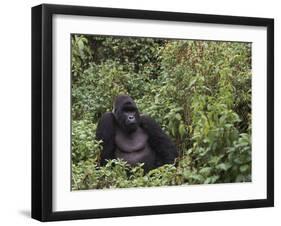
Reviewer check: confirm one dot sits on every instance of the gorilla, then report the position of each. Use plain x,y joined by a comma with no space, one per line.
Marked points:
132,137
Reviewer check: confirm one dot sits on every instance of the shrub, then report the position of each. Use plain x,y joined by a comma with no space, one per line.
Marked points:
198,91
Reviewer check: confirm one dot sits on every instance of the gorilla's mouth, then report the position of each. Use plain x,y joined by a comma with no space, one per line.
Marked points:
131,123
131,126
131,151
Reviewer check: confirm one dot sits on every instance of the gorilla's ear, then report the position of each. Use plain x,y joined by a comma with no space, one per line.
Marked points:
114,104
114,108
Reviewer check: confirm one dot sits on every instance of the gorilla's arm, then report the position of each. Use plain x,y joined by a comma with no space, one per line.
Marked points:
106,133
165,149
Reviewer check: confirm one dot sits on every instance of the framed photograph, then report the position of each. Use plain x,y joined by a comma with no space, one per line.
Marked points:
145,112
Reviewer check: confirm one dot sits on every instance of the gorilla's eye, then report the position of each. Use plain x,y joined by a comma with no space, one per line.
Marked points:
129,109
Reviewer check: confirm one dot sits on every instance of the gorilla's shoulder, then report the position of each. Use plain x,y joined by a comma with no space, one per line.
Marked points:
148,123
105,126
106,119
146,119
107,114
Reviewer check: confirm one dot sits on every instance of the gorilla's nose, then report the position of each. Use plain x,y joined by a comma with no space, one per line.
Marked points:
131,117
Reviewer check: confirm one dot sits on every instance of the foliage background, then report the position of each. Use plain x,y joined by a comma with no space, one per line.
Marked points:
198,91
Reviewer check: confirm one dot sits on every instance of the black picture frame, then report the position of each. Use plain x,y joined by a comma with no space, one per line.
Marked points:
42,111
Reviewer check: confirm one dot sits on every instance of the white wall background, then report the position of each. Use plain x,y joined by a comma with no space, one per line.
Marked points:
15,109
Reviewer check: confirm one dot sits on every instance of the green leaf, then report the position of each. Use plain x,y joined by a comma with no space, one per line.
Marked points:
205,171
178,116
244,168
223,166
192,82
181,130
81,44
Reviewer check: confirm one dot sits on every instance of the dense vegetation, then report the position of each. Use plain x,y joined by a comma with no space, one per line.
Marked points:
198,91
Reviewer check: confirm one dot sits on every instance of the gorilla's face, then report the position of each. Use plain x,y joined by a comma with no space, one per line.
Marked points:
126,113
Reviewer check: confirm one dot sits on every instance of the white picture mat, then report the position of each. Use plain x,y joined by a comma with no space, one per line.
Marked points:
64,199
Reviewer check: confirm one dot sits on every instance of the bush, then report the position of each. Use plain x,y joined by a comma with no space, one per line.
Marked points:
198,91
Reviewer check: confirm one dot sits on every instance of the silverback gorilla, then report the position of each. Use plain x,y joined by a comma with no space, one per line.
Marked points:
133,137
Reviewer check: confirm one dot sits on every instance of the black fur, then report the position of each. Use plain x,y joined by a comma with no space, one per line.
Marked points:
162,149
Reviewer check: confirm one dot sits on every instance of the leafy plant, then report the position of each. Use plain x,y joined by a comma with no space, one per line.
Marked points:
198,91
